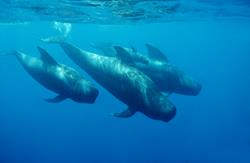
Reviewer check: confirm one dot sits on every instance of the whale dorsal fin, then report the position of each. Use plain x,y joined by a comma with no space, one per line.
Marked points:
155,53
46,57
123,55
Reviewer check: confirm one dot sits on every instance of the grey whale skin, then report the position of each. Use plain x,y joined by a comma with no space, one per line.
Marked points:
126,83
59,78
169,78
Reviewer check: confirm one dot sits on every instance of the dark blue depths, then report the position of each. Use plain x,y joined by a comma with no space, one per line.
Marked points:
211,127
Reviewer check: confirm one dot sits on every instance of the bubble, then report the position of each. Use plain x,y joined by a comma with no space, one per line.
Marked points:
63,28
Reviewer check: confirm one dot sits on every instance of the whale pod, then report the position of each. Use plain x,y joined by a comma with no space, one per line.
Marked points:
126,83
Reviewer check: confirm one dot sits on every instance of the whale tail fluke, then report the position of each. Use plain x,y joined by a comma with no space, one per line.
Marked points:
54,39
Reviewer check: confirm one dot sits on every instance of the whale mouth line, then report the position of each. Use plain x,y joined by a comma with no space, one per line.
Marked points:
171,115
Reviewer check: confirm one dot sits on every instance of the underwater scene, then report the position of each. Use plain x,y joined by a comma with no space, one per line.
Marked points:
125,81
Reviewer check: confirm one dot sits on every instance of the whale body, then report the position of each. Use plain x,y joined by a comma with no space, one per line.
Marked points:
168,77
59,78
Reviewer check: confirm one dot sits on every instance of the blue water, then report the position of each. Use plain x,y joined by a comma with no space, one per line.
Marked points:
212,127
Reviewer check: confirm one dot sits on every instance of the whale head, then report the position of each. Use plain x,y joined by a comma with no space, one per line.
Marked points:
167,111
84,92
189,86
177,81
162,109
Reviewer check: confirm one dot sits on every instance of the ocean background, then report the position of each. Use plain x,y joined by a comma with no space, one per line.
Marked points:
213,127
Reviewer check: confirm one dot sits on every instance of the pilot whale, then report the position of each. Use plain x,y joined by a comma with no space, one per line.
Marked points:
124,82
59,78
168,77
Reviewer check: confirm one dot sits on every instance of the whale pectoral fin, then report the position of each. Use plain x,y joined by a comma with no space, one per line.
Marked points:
125,114
123,55
56,99
155,53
